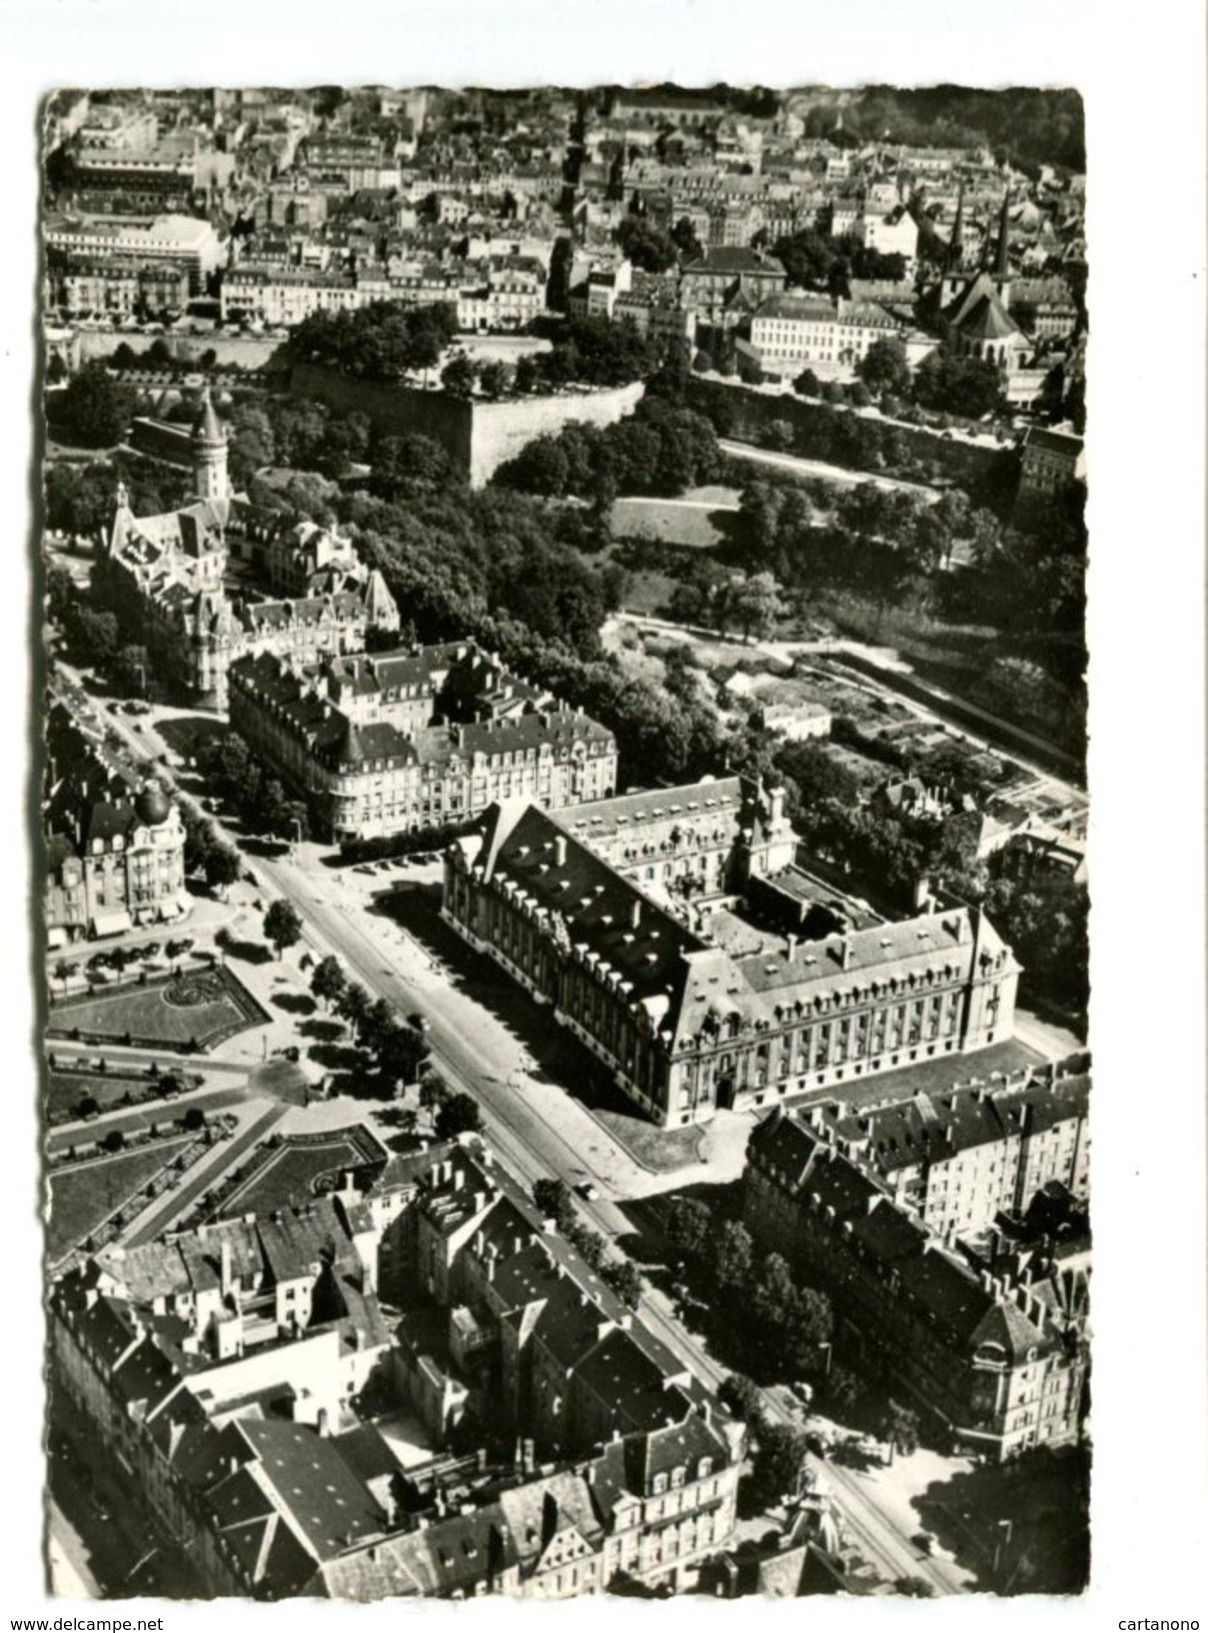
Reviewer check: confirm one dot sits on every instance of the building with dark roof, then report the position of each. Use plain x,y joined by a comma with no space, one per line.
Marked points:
997,1363
165,576
226,1369
401,741
604,915
114,848
709,287
1051,460
957,1159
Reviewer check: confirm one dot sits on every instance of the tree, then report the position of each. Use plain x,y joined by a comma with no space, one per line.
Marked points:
807,384
458,376
193,1119
844,1391
60,593
969,386
97,633
328,982
553,1198
354,1007
96,407
741,1398
380,1021
689,1221
64,970
900,1427
780,1462
757,605
459,1114
130,669
495,379
625,1280
282,925
222,868
731,1255
401,1053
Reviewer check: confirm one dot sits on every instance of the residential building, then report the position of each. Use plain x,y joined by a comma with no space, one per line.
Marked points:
228,1370
687,1012
998,1361
707,286
180,239
1050,461
116,290
114,850
957,1159
400,741
789,332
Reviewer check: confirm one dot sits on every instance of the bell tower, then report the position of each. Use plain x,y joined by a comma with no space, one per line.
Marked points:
209,453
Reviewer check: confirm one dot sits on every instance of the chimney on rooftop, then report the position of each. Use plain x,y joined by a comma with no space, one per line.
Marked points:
560,851
226,1272
635,913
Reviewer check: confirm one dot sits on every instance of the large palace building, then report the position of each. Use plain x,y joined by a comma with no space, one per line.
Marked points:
396,742
165,577
620,916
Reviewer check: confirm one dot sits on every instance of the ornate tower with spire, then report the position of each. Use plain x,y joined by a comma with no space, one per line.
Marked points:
1002,264
956,244
209,453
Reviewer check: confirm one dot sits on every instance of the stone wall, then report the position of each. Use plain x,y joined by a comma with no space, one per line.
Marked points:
748,414
478,436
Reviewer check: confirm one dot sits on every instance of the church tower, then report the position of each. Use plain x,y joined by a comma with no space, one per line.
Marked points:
209,453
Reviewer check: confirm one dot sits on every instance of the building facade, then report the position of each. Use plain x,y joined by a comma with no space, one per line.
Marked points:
997,1360
115,852
230,1369
956,1160
165,578
684,1020
402,741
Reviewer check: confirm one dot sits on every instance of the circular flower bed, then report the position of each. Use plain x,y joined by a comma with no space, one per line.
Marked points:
201,987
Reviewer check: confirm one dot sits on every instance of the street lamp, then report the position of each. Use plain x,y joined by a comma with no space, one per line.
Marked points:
829,1350
1006,1530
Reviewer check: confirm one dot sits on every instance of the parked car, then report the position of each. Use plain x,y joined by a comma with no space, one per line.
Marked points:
419,1021
588,1191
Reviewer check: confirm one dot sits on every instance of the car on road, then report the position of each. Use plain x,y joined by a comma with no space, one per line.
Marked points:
419,1021
588,1191
803,1391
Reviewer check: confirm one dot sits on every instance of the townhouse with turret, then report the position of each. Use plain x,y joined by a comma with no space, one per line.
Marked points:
996,1358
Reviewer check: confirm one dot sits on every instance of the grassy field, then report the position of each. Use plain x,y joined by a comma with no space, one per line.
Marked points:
209,1008
289,1173
691,526
82,1197
65,1090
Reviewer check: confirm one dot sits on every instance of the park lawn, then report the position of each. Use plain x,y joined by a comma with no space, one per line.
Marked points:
147,1014
83,1196
690,526
65,1090
289,1172
659,1150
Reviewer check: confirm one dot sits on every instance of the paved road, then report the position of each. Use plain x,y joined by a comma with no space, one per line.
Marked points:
159,1217
819,468
531,1149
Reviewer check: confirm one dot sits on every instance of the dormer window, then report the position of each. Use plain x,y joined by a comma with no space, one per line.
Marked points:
118,842
677,1478
704,1468
658,1485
